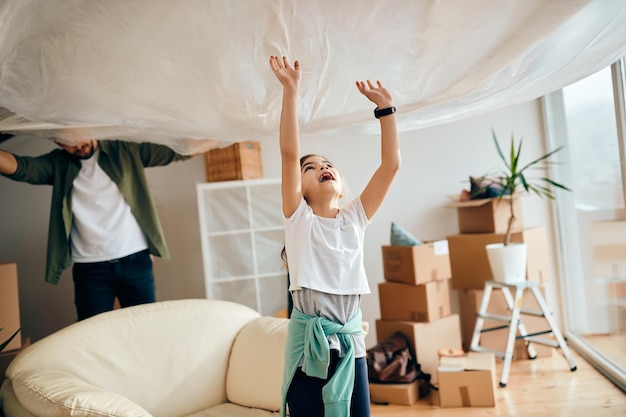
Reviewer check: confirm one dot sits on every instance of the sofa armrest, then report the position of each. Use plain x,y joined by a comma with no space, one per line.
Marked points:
54,393
9,404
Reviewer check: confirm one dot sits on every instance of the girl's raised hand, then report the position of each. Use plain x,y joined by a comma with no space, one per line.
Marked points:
377,95
289,77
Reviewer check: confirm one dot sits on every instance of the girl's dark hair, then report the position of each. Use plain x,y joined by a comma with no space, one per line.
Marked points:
307,156
283,256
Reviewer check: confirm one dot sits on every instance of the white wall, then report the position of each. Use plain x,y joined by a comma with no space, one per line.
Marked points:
436,162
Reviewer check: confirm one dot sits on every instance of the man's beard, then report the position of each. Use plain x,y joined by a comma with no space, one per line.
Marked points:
88,155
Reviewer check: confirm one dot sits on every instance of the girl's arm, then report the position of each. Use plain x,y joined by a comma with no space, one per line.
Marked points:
289,133
376,190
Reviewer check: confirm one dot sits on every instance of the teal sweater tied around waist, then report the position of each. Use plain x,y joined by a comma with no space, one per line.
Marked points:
307,337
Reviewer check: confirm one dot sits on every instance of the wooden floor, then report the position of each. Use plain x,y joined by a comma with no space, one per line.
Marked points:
612,346
540,387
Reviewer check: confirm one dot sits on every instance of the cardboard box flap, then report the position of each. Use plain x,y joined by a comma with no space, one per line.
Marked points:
452,364
472,361
455,203
476,361
452,353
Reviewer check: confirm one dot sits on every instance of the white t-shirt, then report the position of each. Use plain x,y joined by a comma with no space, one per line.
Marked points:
103,226
326,254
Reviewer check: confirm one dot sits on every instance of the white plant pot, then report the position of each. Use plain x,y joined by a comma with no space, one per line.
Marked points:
508,263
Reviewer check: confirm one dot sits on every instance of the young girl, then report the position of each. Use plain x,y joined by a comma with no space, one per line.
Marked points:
325,366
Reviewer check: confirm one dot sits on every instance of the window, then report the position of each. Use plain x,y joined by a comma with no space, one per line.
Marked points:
588,118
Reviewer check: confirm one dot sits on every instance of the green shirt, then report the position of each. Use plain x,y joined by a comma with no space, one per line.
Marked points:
307,337
124,163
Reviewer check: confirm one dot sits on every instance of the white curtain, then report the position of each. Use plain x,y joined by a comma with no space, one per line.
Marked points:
174,72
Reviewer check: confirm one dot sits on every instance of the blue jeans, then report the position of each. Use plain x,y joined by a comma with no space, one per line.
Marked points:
97,284
305,392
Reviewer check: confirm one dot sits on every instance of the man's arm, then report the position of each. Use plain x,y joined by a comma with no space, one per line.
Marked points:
151,154
8,163
31,169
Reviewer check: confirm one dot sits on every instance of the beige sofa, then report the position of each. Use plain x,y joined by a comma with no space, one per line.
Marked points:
194,358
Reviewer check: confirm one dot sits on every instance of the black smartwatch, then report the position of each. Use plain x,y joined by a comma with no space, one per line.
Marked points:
378,113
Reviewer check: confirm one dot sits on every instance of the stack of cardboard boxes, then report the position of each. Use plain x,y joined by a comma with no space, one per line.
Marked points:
482,222
415,300
9,314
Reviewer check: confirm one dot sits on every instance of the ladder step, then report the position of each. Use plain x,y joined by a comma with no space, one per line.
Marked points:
497,317
490,329
534,334
524,311
529,312
541,341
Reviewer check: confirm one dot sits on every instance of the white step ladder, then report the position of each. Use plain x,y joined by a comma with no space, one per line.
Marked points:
514,305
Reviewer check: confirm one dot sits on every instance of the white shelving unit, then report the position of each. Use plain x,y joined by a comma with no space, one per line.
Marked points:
242,236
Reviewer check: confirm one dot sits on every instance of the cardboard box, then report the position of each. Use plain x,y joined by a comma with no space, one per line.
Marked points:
468,381
9,306
470,266
6,356
402,394
239,161
469,305
426,339
417,264
488,215
420,303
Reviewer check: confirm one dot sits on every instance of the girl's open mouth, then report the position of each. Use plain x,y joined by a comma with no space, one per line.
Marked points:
326,176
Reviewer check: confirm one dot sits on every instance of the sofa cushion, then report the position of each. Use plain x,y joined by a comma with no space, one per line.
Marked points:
170,358
255,370
234,410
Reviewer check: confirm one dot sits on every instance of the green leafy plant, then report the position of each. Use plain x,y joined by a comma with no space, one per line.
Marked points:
6,343
514,178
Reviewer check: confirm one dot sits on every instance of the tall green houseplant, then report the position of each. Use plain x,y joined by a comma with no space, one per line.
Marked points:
514,177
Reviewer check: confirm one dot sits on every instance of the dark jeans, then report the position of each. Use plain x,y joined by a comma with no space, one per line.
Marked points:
97,284
305,393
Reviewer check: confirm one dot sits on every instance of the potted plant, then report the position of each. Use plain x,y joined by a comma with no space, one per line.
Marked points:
507,259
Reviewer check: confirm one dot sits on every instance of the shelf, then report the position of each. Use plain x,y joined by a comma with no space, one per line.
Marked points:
242,237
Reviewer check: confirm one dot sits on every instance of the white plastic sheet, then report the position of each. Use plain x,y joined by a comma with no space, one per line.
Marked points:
177,71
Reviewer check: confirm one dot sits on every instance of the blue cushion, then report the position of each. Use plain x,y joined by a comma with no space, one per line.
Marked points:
401,237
